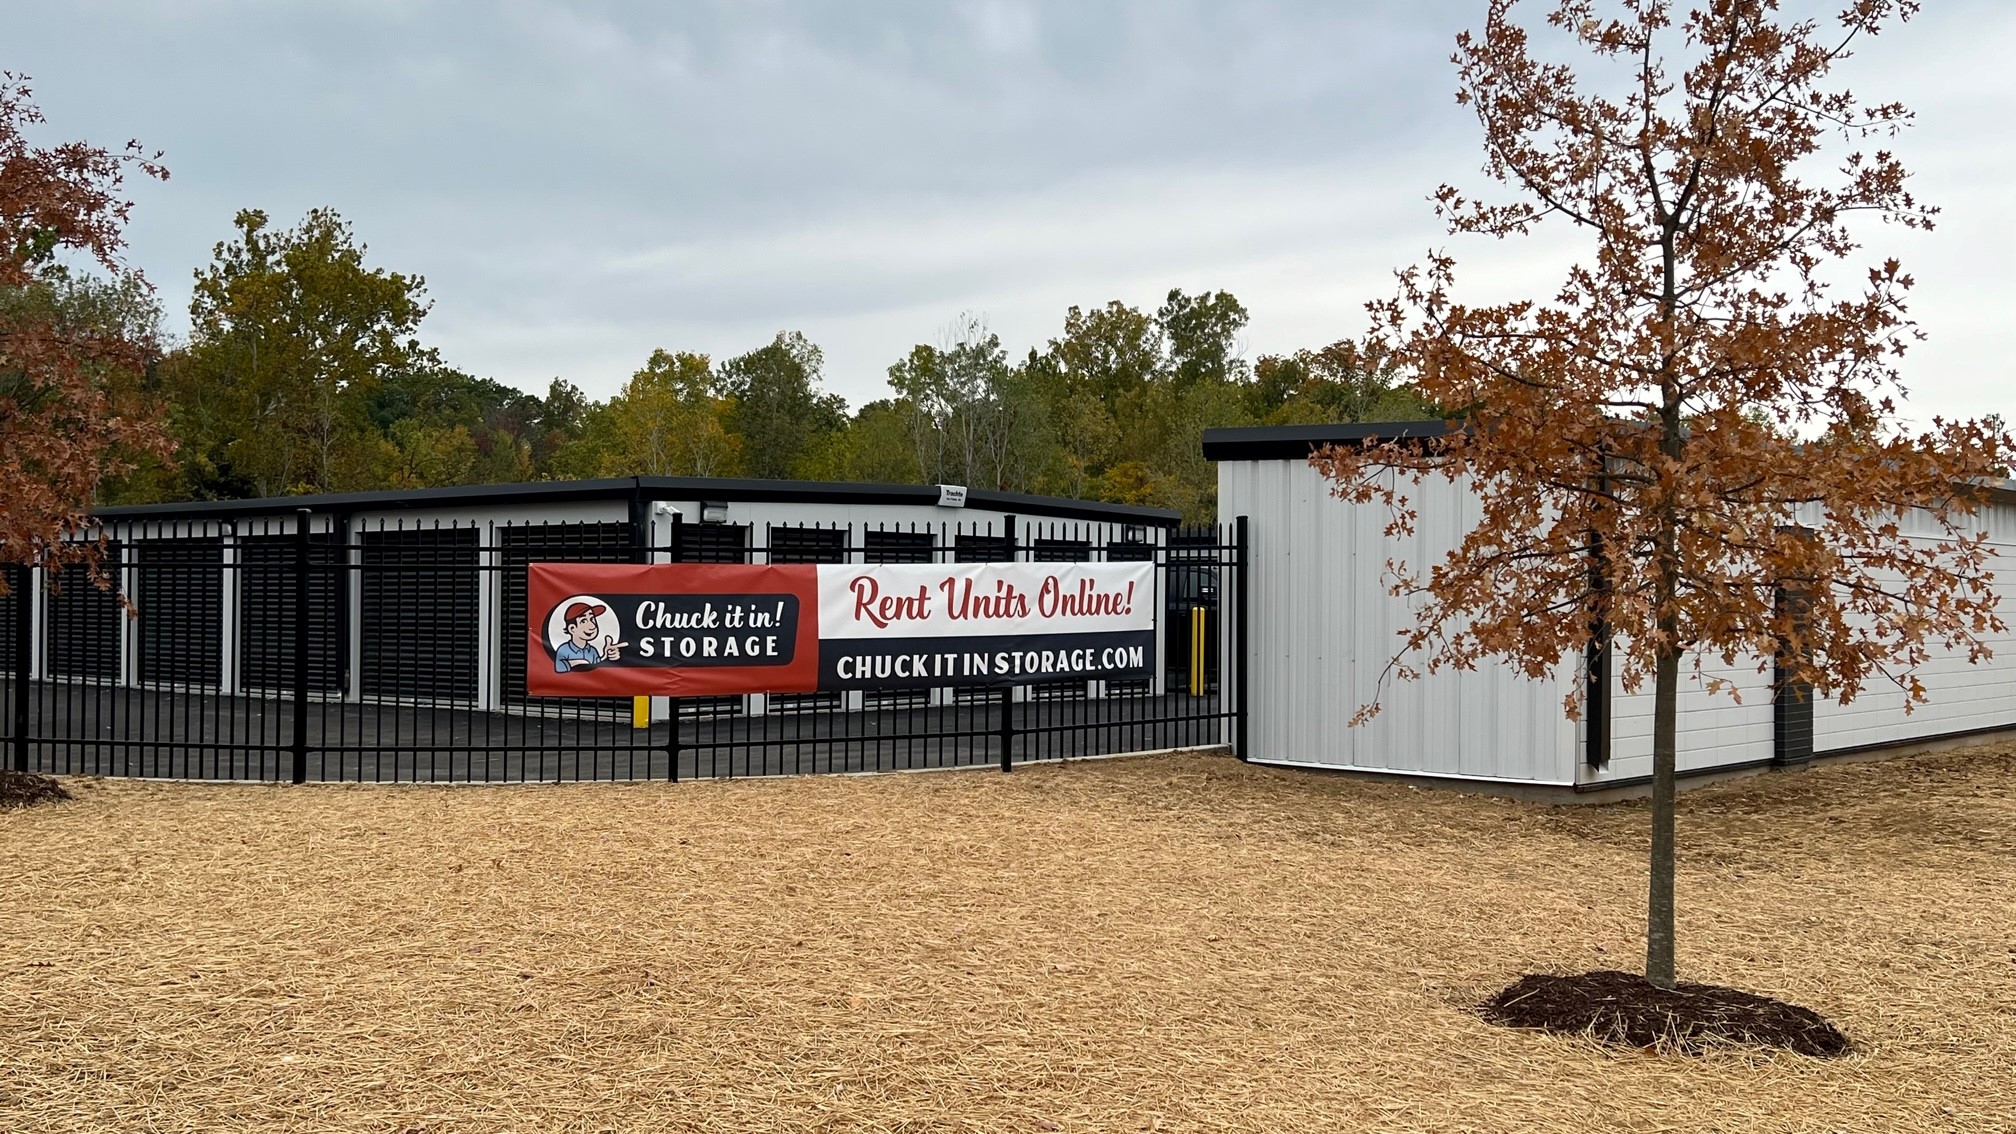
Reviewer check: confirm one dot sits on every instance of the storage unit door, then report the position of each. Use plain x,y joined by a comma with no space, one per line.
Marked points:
1130,551
1060,551
968,547
898,547
418,615
518,547
712,543
13,612
178,587
269,618
807,545
974,547
82,636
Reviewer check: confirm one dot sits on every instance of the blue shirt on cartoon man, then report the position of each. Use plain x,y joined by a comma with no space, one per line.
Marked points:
577,652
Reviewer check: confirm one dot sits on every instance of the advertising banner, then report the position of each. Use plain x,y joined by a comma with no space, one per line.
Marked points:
686,629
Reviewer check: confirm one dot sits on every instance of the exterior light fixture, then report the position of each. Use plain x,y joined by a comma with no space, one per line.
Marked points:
1134,533
713,512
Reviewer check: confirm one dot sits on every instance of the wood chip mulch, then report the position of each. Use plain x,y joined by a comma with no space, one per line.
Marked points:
1179,943
22,789
1625,1010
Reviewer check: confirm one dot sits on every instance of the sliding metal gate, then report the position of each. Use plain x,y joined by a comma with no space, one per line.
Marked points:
290,652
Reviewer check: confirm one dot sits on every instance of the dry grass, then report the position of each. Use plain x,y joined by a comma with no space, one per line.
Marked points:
1174,943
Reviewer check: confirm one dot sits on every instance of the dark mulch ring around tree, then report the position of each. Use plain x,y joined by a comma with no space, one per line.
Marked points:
1626,1010
24,789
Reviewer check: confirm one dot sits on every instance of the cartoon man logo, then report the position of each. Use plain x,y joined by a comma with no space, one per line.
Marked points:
579,623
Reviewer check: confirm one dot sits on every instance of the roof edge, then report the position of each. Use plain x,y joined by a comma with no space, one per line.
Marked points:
729,489
1296,442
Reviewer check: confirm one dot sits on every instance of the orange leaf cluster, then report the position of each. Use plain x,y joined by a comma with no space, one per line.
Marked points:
69,410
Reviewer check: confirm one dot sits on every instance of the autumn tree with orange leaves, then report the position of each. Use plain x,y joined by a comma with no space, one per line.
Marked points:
1707,408
71,410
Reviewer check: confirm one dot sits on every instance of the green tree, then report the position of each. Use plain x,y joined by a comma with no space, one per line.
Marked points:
1203,336
1019,443
1336,383
501,421
426,455
1113,351
557,428
874,447
1125,398
1185,480
968,417
1086,436
292,334
669,420
1092,380
778,408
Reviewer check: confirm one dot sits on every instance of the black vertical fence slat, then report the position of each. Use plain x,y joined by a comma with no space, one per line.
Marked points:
676,543
21,609
1241,642
298,743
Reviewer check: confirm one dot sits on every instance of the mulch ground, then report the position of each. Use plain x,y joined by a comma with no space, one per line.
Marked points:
1625,1010
23,789
1179,943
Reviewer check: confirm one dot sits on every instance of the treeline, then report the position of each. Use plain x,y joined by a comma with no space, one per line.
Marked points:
304,372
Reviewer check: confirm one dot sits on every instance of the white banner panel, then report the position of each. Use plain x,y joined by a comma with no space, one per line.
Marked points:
923,625
924,600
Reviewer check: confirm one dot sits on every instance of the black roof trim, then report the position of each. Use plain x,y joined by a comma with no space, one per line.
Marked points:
650,488
1296,442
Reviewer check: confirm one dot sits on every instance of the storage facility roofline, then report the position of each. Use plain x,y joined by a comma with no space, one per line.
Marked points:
727,489
1296,442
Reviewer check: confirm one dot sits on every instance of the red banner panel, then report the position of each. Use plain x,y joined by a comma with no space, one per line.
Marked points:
679,630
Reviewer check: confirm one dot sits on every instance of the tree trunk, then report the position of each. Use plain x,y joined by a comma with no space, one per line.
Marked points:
1659,967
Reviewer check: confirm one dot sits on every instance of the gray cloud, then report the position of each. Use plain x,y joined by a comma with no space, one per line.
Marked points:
583,182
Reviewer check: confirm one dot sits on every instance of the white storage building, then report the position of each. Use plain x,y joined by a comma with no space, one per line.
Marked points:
1322,627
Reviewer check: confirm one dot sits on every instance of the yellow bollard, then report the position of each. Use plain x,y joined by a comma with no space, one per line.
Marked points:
640,712
1196,651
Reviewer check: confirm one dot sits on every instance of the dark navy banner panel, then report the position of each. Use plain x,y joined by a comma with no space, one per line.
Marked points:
924,663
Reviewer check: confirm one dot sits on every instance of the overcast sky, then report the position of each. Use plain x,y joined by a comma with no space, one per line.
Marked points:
580,183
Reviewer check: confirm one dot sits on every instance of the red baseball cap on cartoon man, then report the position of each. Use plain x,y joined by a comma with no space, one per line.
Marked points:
580,608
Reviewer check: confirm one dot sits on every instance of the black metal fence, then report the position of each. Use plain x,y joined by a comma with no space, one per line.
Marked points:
313,649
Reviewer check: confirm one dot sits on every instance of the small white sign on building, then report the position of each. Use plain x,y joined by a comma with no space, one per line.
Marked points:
951,496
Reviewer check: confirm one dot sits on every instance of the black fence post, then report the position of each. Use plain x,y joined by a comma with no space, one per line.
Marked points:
24,657
1006,728
678,542
672,739
299,749
1239,636
1596,656
1006,731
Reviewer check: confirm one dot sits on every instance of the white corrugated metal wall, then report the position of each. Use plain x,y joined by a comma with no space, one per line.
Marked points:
1960,696
1324,626
1715,729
